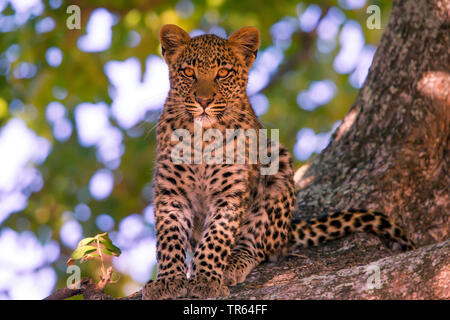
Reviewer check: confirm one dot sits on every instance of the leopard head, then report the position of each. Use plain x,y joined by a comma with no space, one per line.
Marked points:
208,74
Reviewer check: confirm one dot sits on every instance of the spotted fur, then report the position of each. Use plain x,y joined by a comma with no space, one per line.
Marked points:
229,215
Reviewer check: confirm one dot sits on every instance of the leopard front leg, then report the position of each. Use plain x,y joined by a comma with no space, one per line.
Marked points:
249,249
218,237
211,255
265,232
173,228
264,235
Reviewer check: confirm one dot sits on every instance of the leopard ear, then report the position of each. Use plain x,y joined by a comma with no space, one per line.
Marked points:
172,39
246,42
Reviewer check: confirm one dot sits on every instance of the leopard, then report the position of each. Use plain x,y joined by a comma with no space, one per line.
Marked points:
229,216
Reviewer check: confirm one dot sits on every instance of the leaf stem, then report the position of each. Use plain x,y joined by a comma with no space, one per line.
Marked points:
101,256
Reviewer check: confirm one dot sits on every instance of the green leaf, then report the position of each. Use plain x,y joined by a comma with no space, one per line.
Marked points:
111,253
109,248
80,252
102,235
86,241
89,256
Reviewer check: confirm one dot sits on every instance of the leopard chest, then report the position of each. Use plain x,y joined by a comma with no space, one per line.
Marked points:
200,193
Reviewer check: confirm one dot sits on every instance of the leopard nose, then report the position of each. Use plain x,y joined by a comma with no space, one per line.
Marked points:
204,102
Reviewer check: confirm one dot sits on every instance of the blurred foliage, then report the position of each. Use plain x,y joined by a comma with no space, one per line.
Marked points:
69,166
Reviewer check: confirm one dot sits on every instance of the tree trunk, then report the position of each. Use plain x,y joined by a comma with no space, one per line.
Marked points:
391,152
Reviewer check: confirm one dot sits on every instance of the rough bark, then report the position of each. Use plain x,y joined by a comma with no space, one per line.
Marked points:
349,272
391,154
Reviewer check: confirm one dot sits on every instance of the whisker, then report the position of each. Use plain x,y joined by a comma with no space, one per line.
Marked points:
164,120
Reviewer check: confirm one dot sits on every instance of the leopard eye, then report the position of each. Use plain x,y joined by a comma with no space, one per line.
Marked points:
222,73
188,72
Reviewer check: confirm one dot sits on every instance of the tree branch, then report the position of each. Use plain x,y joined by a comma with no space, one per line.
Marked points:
63,293
89,289
301,55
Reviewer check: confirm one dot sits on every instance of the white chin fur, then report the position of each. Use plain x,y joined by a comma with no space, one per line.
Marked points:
204,120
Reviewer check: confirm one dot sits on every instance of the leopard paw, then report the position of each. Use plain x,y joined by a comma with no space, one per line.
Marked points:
204,287
237,269
234,276
165,288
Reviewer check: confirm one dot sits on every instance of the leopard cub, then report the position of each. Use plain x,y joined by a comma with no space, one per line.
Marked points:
231,214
